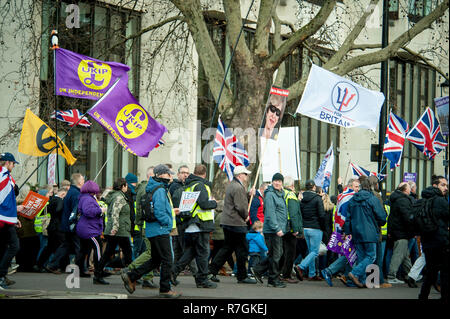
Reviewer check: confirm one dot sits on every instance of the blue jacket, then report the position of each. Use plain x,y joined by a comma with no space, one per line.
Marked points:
256,242
365,216
69,204
163,210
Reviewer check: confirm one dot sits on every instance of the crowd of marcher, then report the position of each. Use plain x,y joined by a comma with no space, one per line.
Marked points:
273,233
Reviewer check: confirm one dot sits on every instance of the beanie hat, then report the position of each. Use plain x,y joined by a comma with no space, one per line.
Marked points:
277,177
131,178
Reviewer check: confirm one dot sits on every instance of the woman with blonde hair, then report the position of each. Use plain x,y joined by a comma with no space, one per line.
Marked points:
328,206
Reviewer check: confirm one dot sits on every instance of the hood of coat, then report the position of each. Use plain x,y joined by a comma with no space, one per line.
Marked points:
396,195
271,189
194,178
362,195
431,191
111,196
154,182
309,196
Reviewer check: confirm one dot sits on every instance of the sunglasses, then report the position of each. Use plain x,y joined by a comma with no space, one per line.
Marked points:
274,109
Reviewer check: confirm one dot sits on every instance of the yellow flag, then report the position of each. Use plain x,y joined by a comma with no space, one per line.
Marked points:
37,139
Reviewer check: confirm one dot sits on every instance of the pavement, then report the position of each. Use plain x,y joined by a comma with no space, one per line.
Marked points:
51,286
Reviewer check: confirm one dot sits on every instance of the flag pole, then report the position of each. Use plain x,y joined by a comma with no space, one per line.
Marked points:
257,173
107,160
56,116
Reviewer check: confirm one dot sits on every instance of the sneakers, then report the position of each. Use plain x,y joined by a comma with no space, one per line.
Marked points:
99,281
411,282
213,278
256,274
128,284
170,294
327,277
395,281
3,284
13,269
247,281
276,284
298,272
150,284
355,280
207,284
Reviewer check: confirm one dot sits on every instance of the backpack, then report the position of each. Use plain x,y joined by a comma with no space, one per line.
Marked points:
74,217
147,208
422,218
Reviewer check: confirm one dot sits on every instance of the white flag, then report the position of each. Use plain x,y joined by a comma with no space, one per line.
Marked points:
323,176
51,169
336,100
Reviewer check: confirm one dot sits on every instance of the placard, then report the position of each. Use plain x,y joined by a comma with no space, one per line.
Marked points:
188,200
33,204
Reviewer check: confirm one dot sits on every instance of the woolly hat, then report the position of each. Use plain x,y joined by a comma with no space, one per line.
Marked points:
131,178
277,177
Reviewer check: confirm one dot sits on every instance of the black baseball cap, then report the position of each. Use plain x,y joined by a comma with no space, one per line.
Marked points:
8,157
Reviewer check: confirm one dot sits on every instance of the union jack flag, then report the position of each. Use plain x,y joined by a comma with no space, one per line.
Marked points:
359,171
395,139
8,209
426,135
227,151
71,117
160,143
341,208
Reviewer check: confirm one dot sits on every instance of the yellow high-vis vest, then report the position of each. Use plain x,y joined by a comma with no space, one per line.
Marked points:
39,218
203,215
384,227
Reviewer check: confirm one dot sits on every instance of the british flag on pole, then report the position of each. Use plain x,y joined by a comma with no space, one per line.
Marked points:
71,117
426,135
359,171
228,152
395,139
341,208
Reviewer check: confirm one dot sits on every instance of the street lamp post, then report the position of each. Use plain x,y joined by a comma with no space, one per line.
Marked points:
444,91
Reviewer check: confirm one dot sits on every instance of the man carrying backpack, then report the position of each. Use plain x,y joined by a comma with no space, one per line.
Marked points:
400,231
197,228
435,244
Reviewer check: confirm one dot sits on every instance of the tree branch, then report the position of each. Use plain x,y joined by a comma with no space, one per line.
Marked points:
149,28
349,41
301,35
393,47
439,70
363,47
262,32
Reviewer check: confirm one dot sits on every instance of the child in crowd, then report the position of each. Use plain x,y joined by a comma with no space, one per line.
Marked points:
257,248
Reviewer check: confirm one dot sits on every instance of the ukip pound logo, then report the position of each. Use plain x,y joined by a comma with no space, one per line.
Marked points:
132,121
94,75
344,96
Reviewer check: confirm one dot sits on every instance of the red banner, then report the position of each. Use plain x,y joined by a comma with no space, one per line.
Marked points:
33,204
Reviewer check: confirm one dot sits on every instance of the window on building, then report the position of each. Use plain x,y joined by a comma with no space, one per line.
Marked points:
314,137
412,89
393,9
101,27
418,9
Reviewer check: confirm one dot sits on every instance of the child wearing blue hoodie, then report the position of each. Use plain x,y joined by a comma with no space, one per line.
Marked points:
257,249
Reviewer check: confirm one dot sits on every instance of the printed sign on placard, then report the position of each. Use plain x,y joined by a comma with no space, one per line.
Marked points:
33,204
407,177
188,200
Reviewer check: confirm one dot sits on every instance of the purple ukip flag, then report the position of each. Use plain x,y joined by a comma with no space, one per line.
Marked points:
335,243
83,77
126,120
349,251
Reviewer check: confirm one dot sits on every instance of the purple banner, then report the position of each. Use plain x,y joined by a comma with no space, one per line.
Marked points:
83,77
349,251
409,177
335,243
126,120
442,112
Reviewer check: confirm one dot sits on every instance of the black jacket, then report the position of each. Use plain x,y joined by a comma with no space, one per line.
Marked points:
312,211
54,208
399,225
202,201
440,209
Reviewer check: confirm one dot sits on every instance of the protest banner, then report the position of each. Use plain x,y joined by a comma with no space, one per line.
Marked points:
33,204
188,200
442,112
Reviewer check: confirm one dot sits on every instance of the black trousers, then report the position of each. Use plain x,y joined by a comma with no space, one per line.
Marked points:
217,244
196,246
272,263
10,246
71,244
436,261
234,242
55,239
111,244
86,245
288,257
161,256
28,252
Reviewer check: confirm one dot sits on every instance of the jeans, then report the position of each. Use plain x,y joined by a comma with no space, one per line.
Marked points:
272,262
399,257
196,246
55,239
8,235
416,269
138,246
43,240
413,249
236,242
380,254
367,254
313,238
161,256
338,265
